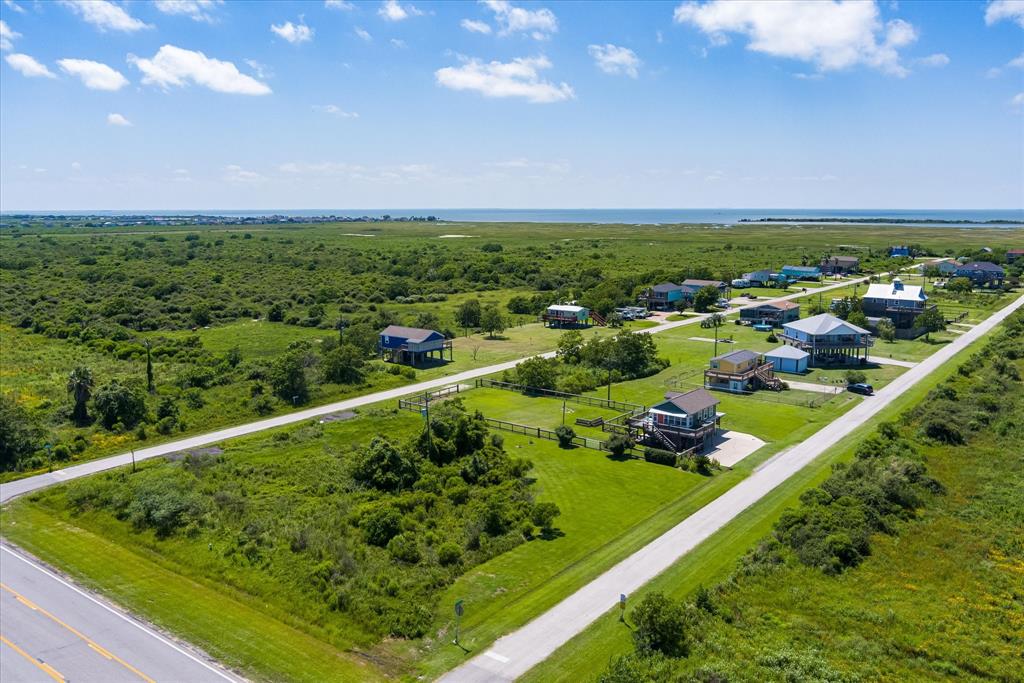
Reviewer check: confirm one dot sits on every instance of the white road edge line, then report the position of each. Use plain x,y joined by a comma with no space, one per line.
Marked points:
141,627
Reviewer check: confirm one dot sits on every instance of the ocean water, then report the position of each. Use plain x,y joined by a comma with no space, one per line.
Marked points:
627,216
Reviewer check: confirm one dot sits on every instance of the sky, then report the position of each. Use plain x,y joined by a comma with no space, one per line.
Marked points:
203,104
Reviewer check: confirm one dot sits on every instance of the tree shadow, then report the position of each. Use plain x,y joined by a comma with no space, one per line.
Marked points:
550,534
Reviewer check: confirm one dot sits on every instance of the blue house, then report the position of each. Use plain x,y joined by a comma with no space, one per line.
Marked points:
828,340
759,278
982,273
788,359
412,345
662,297
801,272
901,250
691,287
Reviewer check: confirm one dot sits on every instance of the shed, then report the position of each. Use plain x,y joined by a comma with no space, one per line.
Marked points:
788,359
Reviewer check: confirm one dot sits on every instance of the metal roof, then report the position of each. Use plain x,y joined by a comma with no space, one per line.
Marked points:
788,352
738,356
896,292
824,323
981,265
564,308
413,334
665,287
692,401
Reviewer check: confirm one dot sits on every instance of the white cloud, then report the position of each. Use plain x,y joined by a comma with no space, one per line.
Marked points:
339,4
398,43
936,60
539,24
259,69
7,36
176,66
1018,100
28,67
556,167
363,33
94,75
1017,62
234,173
518,78
998,10
474,26
335,110
118,120
197,10
15,6
105,15
390,10
76,166
615,60
832,35
293,33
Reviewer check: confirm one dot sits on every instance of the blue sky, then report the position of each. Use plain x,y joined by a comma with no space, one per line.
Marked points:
199,104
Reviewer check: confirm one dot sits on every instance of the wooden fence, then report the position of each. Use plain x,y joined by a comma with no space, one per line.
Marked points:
620,406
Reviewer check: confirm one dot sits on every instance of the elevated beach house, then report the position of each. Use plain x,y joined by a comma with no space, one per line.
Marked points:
691,287
1013,254
982,273
412,345
801,272
662,297
900,303
741,371
899,250
828,340
759,278
840,265
683,421
566,315
774,313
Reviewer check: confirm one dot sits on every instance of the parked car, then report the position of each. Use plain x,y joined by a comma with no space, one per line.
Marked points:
723,303
861,388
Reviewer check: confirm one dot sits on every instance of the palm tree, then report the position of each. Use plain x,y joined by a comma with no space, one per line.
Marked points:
80,383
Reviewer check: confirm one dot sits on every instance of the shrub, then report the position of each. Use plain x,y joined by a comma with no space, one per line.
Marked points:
771,338
381,525
618,444
660,625
120,403
565,436
660,457
855,377
61,452
543,515
449,554
404,548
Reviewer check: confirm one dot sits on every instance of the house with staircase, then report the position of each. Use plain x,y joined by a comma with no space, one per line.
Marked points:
682,422
570,316
741,371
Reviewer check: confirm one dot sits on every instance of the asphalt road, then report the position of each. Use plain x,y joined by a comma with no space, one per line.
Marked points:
52,630
516,653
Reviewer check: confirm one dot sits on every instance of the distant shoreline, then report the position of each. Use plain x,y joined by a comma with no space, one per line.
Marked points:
884,221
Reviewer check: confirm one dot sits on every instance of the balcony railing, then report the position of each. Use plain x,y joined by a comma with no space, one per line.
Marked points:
863,341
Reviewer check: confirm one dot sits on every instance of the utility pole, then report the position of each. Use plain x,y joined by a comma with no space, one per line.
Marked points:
133,460
430,441
563,412
716,335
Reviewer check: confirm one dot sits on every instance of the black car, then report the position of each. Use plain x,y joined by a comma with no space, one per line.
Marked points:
861,388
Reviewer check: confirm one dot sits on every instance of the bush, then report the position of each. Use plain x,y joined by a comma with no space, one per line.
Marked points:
660,457
565,436
771,338
855,377
404,548
381,525
61,452
660,625
543,516
618,444
120,403
449,554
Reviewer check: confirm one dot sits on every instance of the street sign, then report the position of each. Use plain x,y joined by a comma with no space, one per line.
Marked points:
458,608
622,601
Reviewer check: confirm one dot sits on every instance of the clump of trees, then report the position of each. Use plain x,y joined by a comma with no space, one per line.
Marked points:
376,531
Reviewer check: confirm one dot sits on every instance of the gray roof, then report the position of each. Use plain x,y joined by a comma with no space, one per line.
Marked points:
841,259
825,323
786,351
738,356
692,401
665,287
703,283
982,265
803,269
413,334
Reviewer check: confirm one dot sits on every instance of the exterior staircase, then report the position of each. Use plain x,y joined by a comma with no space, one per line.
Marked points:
766,376
598,318
661,436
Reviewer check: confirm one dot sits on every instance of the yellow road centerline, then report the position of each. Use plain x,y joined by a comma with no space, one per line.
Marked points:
99,649
49,670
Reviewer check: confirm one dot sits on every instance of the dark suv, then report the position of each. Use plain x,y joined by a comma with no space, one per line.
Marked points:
861,388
